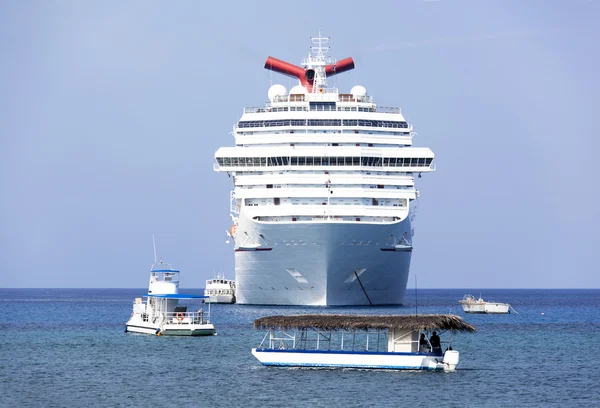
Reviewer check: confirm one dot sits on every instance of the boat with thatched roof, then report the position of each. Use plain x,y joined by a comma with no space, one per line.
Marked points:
359,341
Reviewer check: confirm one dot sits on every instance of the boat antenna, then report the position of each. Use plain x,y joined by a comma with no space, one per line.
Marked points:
154,245
416,303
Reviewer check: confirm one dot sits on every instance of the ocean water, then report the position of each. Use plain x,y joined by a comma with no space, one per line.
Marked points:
67,348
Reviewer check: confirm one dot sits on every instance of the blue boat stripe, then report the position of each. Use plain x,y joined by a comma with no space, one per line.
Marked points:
384,353
348,366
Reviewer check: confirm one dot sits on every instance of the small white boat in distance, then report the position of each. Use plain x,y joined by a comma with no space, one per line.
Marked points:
358,341
162,314
220,290
472,305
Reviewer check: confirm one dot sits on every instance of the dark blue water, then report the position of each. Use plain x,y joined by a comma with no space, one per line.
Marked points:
67,347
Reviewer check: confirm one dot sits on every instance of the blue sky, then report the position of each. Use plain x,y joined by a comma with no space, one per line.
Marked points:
110,114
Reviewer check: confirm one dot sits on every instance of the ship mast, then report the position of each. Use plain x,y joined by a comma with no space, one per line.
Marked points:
317,61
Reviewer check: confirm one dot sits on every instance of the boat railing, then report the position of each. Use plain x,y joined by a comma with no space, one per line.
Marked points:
358,340
197,317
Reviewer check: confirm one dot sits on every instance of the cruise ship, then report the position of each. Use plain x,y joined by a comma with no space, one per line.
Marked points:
323,192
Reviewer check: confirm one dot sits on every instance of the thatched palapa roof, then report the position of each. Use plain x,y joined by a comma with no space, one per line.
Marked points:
364,322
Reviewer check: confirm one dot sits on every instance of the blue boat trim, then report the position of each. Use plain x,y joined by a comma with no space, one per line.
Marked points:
384,353
388,367
177,296
252,249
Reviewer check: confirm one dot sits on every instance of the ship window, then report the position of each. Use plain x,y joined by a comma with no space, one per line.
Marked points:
422,162
429,162
269,185
322,106
414,162
324,122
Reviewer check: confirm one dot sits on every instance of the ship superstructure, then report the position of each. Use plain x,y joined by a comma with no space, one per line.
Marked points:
324,184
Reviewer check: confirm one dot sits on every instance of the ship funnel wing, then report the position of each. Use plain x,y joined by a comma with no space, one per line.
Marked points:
344,65
286,68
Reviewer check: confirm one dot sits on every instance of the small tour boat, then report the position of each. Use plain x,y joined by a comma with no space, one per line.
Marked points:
163,312
220,290
359,341
472,305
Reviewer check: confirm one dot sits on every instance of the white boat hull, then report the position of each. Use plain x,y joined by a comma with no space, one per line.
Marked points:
487,307
220,299
346,359
169,329
315,263
497,308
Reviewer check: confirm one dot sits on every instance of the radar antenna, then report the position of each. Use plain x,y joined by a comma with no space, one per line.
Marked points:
154,245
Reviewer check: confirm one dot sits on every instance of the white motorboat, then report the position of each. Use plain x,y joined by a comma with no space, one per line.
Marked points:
220,290
472,305
358,341
163,311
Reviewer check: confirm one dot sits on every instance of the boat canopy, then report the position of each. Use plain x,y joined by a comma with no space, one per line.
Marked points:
177,296
364,322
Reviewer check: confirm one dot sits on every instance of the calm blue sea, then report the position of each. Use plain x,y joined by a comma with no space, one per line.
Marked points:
67,348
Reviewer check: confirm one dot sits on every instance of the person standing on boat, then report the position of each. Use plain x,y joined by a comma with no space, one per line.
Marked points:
436,346
423,344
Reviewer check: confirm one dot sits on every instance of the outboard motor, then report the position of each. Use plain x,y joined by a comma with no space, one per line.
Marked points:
450,360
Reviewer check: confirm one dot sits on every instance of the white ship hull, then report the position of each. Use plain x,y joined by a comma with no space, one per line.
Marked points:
316,264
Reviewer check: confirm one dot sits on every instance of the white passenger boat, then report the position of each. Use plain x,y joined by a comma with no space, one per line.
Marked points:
220,290
163,311
358,341
472,305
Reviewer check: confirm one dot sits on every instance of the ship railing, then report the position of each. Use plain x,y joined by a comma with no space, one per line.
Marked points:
268,108
321,91
387,109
